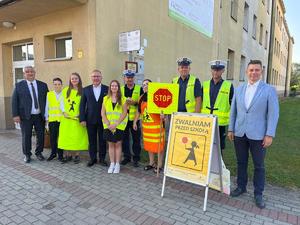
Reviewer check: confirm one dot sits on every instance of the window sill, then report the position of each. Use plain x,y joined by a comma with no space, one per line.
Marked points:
58,59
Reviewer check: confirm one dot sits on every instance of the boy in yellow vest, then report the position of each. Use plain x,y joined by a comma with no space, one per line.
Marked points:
53,115
217,96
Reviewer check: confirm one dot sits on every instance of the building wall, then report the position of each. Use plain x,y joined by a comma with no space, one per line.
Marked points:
167,39
258,47
75,20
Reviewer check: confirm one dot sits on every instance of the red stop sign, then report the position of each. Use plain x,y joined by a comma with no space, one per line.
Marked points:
162,98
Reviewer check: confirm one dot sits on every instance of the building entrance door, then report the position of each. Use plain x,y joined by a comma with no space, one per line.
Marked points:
23,56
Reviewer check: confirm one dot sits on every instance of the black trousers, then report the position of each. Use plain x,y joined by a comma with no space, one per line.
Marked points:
222,131
242,146
136,142
95,132
54,133
36,121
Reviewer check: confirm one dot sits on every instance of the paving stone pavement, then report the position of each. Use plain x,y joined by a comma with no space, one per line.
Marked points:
52,193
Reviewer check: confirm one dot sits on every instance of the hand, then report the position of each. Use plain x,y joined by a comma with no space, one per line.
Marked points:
83,123
47,125
66,114
230,135
17,119
267,141
134,126
112,127
162,116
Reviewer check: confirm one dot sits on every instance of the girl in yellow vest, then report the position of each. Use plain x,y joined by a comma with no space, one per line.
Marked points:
72,135
114,118
154,142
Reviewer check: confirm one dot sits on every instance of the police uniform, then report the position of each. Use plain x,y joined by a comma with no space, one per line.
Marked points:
189,89
217,99
134,94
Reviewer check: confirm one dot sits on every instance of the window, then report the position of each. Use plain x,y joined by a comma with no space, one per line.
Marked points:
261,30
264,73
254,27
23,52
63,47
246,16
234,9
266,39
230,67
58,46
242,68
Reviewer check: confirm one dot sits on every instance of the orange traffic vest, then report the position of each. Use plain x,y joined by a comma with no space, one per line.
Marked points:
151,129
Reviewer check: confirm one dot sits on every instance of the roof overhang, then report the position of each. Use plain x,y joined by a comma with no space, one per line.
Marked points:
19,10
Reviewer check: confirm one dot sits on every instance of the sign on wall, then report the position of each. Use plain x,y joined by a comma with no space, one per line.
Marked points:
130,41
197,14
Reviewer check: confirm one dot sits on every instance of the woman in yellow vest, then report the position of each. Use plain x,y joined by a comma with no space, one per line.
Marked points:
154,142
114,118
72,135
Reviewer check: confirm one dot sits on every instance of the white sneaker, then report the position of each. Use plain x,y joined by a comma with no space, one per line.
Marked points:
117,168
111,168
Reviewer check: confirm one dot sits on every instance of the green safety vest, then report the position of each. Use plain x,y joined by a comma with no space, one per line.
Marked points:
113,114
54,111
135,97
190,102
222,104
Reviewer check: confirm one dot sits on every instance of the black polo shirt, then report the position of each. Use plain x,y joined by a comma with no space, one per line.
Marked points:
182,92
128,92
214,91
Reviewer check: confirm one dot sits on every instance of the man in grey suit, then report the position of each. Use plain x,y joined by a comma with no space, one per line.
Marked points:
28,109
253,121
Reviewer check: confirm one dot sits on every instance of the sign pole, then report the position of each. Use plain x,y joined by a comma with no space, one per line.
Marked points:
159,143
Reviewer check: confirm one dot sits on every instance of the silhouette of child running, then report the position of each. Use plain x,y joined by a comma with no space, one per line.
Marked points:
191,155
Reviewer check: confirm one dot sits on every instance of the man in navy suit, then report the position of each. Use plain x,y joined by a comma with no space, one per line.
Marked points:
253,120
28,109
90,116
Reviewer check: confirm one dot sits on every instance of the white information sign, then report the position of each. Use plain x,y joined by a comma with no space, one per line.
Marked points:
197,14
130,41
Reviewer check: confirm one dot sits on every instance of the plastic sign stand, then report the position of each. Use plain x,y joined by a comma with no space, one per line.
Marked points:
193,142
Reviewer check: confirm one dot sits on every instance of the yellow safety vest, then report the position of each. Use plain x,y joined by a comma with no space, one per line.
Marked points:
54,111
114,114
190,102
71,104
135,97
222,104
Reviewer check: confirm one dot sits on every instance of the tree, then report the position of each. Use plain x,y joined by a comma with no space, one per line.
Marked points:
295,76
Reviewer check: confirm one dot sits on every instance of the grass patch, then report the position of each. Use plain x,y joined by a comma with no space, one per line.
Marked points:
283,157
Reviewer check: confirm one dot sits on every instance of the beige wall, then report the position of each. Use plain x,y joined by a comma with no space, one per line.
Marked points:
75,20
167,39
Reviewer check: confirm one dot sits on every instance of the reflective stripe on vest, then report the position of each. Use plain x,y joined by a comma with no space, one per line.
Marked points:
222,104
135,97
190,102
151,132
54,112
114,114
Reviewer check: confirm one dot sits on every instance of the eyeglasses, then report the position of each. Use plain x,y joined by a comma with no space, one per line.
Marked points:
144,85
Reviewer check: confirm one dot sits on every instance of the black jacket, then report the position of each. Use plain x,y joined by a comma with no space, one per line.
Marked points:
22,101
90,109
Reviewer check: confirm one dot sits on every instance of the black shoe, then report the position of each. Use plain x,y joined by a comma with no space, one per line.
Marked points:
91,163
40,157
27,159
259,202
237,192
102,162
136,164
51,157
125,161
60,158
76,159
66,159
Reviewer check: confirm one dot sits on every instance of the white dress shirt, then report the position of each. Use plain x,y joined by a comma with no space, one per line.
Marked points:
33,109
47,104
250,92
97,91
